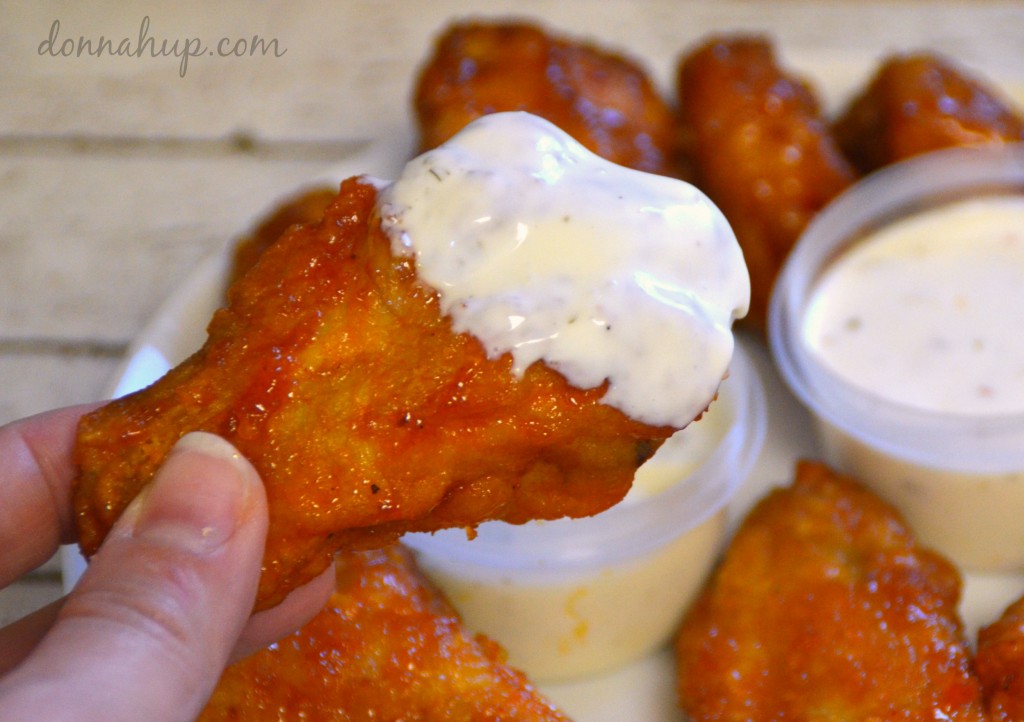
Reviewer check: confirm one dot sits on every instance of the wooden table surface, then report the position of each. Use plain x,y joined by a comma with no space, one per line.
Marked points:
118,173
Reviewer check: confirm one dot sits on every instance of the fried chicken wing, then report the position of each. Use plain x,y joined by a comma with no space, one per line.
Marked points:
918,103
760,149
604,100
306,206
387,647
824,608
333,371
1000,662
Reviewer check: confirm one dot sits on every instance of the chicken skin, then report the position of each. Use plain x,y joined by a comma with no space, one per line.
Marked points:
604,100
760,149
1000,662
305,206
918,103
824,608
333,371
387,647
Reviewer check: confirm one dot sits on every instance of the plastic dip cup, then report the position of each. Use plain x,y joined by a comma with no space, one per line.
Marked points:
943,443
576,597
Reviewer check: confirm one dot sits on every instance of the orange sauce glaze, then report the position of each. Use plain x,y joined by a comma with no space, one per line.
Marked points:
332,370
387,647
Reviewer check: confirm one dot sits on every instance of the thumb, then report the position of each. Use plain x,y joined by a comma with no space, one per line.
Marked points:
147,631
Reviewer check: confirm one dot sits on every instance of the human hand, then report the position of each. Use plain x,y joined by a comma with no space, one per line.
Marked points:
163,605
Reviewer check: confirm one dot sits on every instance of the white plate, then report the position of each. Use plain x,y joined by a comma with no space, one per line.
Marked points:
641,692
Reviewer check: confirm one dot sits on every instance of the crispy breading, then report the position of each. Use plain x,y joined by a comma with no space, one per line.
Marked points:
825,608
1000,663
333,371
921,102
305,206
387,647
603,99
760,149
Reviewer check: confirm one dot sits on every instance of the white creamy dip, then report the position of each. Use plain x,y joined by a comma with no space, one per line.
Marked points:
541,249
928,311
922,319
567,624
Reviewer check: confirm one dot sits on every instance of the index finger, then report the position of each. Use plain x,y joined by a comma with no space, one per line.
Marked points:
36,471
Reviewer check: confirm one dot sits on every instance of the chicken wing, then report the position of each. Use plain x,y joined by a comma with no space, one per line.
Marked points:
305,206
918,103
760,149
1000,662
824,608
387,647
333,371
604,100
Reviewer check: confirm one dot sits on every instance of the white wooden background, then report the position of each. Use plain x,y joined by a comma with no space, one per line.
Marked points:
117,174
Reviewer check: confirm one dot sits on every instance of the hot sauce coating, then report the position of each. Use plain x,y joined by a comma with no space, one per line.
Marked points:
305,206
1000,662
918,103
824,608
387,647
604,100
760,149
333,372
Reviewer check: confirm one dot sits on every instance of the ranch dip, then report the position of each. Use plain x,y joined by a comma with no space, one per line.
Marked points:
541,249
928,311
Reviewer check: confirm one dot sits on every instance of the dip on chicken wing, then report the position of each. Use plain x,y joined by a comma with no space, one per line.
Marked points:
333,371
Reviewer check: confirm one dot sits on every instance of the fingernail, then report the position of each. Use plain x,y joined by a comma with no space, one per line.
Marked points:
197,499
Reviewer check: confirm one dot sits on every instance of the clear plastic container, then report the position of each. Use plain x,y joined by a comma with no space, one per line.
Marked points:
572,598
957,477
